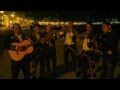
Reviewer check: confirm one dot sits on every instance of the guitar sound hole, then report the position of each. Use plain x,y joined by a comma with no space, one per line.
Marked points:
22,48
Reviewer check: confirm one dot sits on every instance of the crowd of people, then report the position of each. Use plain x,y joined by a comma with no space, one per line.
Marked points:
81,46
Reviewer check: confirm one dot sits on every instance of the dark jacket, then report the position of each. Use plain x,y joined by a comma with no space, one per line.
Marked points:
108,41
38,47
52,40
12,38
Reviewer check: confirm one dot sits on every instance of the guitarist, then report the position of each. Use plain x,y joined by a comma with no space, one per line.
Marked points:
16,36
39,51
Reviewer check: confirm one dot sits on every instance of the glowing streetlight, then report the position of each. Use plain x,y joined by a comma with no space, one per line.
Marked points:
18,18
1,11
21,19
12,15
10,22
13,12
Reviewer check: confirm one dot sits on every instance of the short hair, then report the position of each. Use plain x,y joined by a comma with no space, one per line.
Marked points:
49,24
106,23
16,24
70,21
89,23
37,25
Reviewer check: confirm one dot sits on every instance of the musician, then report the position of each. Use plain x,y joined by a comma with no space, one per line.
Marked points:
69,45
51,39
108,44
17,36
85,59
39,53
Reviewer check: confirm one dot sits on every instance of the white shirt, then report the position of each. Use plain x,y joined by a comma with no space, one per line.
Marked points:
85,44
68,39
19,37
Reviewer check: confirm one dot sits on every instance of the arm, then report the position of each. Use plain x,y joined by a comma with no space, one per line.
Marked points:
112,43
29,39
61,34
8,42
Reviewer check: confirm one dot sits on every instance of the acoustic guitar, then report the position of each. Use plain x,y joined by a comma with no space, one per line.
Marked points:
21,49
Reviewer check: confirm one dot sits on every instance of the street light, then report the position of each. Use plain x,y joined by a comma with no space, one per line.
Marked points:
21,19
12,15
1,11
18,18
13,12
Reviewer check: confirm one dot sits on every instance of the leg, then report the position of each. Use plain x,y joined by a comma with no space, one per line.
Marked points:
15,66
104,64
85,65
66,57
47,62
42,66
110,70
53,57
74,58
25,65
92,74
78,59
34,67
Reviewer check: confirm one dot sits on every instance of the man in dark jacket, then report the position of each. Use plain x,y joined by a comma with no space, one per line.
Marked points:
16,36
39,54
108,44
51,40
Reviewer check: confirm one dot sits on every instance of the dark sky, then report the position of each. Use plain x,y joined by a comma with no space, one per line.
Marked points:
73,15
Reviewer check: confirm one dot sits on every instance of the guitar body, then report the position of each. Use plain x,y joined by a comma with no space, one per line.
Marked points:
17,56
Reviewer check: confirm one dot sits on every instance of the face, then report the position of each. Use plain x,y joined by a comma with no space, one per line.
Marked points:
16,28
65,28
89,27
70,24
37,29
36,22
106,28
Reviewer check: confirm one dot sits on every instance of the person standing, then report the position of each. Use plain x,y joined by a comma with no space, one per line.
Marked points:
86,58
69,45
51,40
16,36
108,45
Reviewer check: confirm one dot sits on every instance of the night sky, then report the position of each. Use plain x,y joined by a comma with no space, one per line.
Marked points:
73,15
